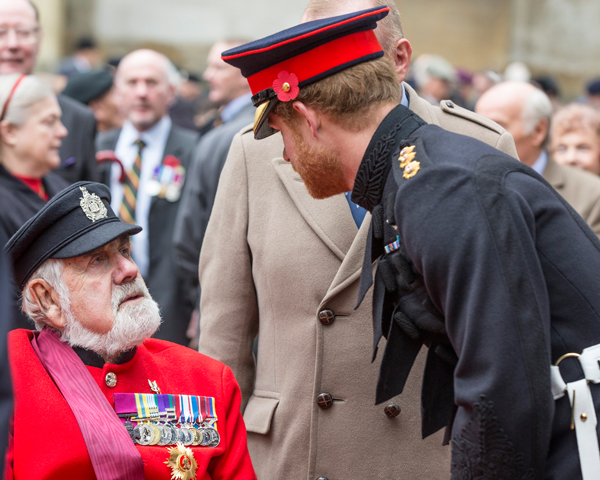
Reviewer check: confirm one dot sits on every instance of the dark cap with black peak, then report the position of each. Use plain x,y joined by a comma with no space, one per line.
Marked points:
76,221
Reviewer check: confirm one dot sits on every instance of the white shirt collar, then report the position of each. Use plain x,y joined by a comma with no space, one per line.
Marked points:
156,133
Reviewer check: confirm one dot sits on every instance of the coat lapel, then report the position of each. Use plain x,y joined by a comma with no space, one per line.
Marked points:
352,264
330,218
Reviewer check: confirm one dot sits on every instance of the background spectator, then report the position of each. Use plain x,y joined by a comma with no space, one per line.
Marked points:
575,137
30,135
85,58
156,170
18,54
524,111
95,89
435,78
229,89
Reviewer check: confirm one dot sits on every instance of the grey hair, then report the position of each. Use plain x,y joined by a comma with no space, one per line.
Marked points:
173,76
51,271
388,31
536,108
30,91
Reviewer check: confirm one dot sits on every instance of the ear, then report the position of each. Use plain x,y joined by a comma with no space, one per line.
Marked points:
312,118
171,95
8,133
47,300
540,132
402,57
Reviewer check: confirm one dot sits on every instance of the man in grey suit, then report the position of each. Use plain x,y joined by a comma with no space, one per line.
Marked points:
18,53
147,179
525,111
229,89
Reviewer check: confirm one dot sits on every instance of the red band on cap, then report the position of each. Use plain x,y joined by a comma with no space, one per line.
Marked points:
10,95
319,60
309,34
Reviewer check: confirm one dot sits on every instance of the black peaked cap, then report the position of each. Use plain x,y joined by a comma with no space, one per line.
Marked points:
76,221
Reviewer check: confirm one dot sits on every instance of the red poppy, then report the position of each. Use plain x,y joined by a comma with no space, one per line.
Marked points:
171,161
286,86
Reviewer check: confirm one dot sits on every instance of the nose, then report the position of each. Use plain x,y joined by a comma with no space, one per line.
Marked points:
126,270
62,131
11,40
141,89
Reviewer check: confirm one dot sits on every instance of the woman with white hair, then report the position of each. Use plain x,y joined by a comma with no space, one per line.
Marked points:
30,135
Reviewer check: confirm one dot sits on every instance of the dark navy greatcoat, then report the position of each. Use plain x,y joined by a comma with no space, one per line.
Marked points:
18,203
513,273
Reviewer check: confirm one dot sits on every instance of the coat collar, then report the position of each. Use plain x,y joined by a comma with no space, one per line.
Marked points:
553,174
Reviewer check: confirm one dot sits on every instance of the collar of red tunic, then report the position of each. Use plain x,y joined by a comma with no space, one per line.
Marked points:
35,184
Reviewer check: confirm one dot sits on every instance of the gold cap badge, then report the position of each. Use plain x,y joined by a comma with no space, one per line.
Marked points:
182,462
407,155
411,169
92,206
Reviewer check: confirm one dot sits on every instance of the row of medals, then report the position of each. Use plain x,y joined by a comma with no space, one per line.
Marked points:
148,433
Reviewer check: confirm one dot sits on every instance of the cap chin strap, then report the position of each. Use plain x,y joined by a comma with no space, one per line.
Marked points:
583,415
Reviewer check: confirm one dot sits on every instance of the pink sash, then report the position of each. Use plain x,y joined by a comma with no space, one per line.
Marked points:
111,450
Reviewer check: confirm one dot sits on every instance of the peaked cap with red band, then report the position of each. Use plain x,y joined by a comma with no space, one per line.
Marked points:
277,66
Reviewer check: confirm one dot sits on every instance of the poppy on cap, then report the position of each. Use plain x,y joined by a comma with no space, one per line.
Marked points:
279,65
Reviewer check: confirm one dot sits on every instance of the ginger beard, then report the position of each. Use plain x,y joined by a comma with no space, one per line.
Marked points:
320,169
132,324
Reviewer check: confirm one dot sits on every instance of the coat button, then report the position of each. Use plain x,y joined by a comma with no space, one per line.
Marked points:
111,380
322,478
326,317
325,400
392,411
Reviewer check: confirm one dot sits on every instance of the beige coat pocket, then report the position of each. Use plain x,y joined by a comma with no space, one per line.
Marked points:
259,411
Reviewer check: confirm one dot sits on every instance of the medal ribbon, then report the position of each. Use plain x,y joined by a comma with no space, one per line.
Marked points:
208,411
142,408
152,404
171,417
195,409
177,408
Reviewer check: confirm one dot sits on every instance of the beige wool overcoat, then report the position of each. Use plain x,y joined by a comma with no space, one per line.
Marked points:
275,263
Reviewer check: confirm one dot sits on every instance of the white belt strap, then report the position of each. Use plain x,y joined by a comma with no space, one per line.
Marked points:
584,414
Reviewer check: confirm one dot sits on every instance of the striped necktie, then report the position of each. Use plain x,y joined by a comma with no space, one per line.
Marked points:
130,187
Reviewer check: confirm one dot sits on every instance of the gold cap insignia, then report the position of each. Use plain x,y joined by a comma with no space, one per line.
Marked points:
92,206
411,169
407,155
182,462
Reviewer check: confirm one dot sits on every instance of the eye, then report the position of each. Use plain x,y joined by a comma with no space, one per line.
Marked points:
126,251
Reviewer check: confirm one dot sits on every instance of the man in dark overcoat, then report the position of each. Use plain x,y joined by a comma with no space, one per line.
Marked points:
477,256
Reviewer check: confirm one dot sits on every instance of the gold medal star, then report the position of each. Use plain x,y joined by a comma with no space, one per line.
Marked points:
182,462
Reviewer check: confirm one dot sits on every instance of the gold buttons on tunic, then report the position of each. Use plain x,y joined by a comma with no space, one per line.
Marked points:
111,380
583,417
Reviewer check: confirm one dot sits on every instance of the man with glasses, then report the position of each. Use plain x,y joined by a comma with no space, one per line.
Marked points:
20,38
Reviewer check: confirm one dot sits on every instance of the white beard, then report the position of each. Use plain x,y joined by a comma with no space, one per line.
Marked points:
132,323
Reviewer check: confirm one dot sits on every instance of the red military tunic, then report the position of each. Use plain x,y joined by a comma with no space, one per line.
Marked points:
45,440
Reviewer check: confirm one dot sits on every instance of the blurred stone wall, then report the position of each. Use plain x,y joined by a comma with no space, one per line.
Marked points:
560,37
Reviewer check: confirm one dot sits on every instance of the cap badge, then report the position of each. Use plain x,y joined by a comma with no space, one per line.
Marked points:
407,155
92,206
411,169
286,86
182,462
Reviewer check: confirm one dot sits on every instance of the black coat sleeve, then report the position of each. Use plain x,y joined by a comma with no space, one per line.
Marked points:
473,240
6,399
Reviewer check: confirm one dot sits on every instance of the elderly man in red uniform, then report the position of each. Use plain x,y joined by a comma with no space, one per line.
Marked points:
94,396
